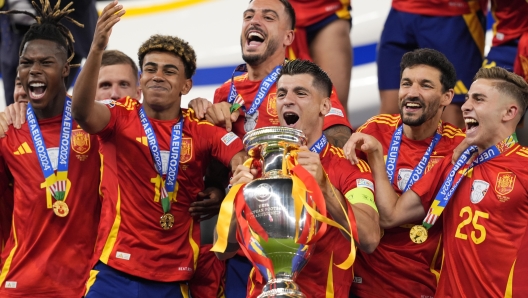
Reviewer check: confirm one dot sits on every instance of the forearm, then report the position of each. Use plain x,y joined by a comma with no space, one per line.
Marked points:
338,135
85,87
237,160
367,222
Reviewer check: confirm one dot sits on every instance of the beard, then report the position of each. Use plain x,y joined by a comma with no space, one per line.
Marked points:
429,111
256,59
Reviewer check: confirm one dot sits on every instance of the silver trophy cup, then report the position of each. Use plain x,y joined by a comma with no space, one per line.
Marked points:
270,200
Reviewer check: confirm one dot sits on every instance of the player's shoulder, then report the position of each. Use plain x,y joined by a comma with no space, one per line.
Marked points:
190,117
452,132
338,161
381,123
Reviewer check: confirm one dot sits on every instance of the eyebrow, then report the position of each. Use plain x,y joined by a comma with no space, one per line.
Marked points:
263,11
475,95
421,81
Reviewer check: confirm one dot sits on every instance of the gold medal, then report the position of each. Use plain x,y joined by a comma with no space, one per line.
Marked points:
60,208
418,234
167,221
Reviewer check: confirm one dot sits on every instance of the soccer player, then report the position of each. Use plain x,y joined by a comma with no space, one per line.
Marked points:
267,30
118,77
414,24
153,159
55,167
413,142
303,92
483,201
322,34
510,24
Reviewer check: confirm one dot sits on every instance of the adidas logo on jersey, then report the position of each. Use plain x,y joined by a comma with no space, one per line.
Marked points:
23,149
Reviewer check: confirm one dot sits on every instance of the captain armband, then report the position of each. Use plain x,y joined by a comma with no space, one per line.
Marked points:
361,195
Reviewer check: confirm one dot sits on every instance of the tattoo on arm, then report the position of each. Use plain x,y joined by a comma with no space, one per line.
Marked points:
338,135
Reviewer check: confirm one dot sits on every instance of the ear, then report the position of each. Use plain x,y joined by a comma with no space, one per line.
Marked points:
447,97
187,86
512,110
288,38
326,106
66,70
138,93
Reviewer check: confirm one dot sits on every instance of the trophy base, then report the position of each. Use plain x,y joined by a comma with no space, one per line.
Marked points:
281,287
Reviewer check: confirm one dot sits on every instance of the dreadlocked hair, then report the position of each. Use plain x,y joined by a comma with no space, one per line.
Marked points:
170,44
48,26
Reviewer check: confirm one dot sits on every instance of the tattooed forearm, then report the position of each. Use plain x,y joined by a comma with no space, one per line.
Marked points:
338,135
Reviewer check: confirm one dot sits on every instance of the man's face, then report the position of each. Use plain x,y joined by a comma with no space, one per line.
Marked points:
163,80
117,81
483,111
300,105
420,94
42,69
19,94
265,28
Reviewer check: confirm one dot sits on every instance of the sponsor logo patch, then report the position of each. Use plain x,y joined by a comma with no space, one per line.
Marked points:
122,255
335,112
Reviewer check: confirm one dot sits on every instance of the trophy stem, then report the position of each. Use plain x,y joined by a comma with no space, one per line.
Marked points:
281,286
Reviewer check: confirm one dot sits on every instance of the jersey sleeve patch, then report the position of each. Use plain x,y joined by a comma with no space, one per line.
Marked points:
335,112
365,183
229,138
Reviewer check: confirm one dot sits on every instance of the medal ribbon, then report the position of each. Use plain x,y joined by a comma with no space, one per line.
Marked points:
169,186
318,146
392,158
236,100
446,190
56,183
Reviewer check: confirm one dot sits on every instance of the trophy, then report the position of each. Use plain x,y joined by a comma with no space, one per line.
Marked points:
269,199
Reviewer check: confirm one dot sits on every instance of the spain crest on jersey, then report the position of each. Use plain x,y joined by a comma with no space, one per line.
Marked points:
479,188
505,183
186,150
272,105
80,141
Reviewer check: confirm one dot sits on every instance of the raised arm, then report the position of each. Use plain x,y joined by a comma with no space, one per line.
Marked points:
393,210
337,135
92,116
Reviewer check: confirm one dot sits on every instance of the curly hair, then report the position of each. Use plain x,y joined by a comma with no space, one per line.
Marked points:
170,44
48,26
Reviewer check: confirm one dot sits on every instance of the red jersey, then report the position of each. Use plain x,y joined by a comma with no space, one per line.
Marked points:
313,278
310,12
437,8
412,267
484,225
6,206
131,239
511,20
47,255
521,61
266,114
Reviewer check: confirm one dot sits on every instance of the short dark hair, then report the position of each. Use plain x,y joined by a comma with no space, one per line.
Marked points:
48,26
170,44
507,83
321,80
289,11
434,59
115,57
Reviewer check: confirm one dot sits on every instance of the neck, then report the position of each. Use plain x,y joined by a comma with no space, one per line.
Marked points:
500,136
54,108
167,113
423,131
313,138
260,71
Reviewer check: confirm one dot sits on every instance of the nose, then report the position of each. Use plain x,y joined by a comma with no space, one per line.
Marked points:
116,94
413,90
35,68
466,107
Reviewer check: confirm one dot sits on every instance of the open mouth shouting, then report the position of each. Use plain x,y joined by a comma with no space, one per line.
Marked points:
254,38
290,118
471,124
37,90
